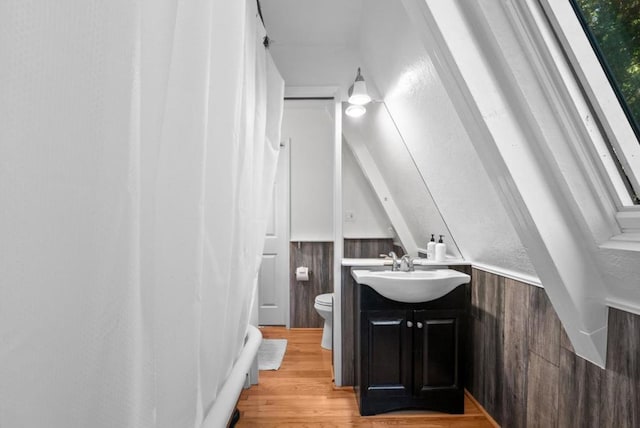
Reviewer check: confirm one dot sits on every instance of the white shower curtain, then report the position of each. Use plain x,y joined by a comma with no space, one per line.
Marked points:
138,145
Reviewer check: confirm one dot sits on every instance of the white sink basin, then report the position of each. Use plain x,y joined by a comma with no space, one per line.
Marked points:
411,287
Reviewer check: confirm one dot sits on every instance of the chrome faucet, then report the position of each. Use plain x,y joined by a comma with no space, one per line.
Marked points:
395,266
407,261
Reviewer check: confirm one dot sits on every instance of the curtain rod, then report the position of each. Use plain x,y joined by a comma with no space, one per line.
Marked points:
260,12
266,41
308,98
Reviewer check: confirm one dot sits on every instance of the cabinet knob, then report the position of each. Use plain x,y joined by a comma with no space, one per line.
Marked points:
419,324
409,324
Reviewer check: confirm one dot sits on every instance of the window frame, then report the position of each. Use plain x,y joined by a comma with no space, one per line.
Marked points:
602,58
611,116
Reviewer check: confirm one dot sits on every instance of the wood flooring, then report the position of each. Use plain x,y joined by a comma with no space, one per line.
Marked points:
302,394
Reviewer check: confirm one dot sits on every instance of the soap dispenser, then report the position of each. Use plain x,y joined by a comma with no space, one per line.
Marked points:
431,248
441,250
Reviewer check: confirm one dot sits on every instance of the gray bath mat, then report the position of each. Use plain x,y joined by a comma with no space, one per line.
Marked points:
270,353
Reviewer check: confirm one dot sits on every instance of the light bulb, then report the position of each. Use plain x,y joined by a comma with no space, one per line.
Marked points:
355,110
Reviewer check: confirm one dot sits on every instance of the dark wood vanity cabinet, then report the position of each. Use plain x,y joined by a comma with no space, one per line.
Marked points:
410,355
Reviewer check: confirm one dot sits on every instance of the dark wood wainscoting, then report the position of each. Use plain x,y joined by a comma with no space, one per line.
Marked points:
524,369
318,257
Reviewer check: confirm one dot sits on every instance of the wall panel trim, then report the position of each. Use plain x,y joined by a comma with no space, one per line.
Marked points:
517,276
612,302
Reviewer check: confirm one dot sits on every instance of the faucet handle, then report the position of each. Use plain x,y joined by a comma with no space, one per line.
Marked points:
408,261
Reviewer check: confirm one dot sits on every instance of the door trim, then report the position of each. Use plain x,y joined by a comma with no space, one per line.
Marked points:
285,152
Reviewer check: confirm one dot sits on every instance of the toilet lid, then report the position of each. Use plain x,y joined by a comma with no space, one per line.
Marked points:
325,299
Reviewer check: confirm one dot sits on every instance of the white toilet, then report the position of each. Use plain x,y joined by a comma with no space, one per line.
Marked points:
324,306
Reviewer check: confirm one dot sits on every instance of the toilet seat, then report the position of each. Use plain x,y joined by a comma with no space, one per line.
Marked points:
324,300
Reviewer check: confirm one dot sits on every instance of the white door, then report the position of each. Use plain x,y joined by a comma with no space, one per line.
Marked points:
273,280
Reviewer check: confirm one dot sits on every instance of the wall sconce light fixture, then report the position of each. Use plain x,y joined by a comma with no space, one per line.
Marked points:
358,91
358,97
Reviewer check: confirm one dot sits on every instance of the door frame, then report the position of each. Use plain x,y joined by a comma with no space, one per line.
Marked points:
285,205
338,94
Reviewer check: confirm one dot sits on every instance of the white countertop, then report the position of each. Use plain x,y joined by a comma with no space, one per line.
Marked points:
450,261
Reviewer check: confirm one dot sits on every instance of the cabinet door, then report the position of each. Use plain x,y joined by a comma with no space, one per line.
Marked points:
386,353
438,346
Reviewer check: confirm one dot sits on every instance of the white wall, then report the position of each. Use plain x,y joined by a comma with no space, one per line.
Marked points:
437,141
363,216
310,127
403,179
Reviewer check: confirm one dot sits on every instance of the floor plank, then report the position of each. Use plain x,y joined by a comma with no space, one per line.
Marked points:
302,394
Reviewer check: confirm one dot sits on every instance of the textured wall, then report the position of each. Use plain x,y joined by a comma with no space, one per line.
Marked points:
443,152
523,369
